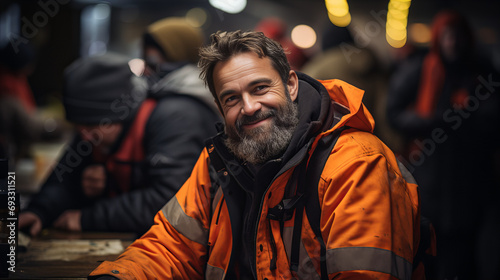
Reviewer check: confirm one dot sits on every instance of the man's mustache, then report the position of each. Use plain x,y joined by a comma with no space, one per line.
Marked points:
258,116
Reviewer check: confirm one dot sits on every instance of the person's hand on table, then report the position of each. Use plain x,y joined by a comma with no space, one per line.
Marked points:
69,220
32,221
94,180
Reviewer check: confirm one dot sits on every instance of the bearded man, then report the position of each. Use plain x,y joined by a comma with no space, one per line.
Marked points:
245,214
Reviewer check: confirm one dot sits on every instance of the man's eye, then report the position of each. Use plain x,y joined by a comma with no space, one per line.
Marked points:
230,99
260,88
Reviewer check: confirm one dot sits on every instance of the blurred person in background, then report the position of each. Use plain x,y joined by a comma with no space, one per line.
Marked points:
20,123
277,29
445,103
342,58
136,145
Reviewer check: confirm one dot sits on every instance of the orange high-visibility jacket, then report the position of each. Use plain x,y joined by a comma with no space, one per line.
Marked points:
369,213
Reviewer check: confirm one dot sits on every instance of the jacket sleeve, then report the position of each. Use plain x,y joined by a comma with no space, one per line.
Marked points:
175,247
370,212
174,138
62,189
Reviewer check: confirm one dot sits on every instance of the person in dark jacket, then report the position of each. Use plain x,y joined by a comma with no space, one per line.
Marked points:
133,151
445,103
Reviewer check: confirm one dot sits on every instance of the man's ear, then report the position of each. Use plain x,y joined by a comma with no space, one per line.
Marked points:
293,85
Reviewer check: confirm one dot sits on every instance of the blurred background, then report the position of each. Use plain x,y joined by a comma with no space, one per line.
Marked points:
63,30
384,34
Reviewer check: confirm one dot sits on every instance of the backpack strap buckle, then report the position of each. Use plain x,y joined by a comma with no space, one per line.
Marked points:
283,211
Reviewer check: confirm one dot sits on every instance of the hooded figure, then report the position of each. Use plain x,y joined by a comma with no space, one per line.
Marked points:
341,57
443,104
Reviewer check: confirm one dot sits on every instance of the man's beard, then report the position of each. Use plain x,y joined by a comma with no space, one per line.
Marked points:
261,144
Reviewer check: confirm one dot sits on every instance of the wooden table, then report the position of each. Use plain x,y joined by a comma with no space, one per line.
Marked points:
41,259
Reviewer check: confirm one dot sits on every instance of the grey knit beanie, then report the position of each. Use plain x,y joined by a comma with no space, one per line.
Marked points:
101,89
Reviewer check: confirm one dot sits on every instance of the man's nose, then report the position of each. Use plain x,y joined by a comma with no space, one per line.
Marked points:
250,105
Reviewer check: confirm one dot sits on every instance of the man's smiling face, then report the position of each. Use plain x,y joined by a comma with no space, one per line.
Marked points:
258,107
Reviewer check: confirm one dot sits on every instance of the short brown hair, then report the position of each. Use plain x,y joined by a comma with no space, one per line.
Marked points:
226,44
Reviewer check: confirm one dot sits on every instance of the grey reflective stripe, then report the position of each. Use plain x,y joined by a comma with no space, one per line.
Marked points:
214,273
406,173
185,225
368,258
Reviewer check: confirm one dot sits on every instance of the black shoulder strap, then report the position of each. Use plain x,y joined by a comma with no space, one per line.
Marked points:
311,204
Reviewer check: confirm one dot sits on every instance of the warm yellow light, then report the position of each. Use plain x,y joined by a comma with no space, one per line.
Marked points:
338,8
397,14
397,21
196,17
396,34
340,21
303,36
396,24
395,43
419,33
399,5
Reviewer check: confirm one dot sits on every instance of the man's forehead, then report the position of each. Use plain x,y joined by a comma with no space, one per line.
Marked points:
243,68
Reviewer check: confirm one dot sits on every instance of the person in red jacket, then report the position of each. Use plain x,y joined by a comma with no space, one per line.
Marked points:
244,213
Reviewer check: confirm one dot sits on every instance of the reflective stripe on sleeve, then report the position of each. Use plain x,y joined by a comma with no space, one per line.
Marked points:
215,273
184,224
368,258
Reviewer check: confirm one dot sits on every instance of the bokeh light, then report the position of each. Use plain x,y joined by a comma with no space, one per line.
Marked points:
338,12
303,36
229,6
137,66
419,33
397,23
196,17
340,21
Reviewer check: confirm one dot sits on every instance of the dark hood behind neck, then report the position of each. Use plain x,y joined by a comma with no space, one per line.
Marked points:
314,108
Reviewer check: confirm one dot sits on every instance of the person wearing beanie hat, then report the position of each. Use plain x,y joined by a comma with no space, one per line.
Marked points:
170,51
89,96
176,38
170,43
131,154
